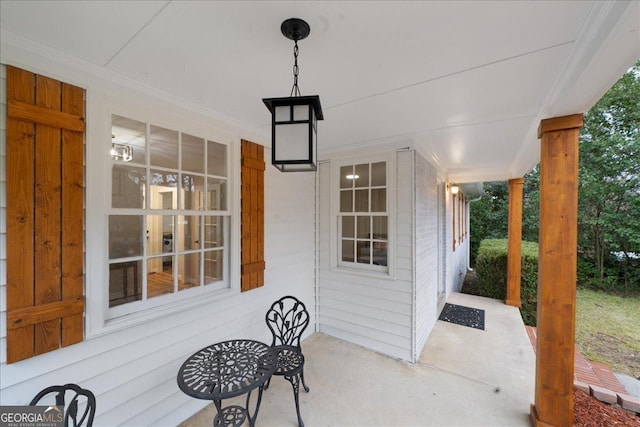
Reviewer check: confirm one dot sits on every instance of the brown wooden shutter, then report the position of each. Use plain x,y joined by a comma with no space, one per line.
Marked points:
454,219
253,264
45,189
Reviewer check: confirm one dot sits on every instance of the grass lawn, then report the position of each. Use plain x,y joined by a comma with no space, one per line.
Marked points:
608,330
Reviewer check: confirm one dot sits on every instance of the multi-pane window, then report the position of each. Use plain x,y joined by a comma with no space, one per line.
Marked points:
363,216
169,219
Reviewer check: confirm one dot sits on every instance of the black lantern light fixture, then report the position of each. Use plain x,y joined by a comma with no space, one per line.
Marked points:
293,118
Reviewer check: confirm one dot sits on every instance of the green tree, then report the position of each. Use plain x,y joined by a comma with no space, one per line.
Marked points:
609,198
609,170
489,216
531,205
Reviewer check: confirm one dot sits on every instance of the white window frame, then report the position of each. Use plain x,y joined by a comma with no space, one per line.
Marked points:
335,220
100,319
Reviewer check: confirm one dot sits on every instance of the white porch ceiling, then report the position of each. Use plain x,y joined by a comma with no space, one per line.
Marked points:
467,82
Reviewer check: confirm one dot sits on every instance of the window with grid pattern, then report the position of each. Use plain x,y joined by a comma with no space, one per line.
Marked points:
363,216
169,219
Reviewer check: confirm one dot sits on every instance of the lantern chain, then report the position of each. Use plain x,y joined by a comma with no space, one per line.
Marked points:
295,90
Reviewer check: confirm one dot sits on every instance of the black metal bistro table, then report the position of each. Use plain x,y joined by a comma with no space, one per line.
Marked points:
228,369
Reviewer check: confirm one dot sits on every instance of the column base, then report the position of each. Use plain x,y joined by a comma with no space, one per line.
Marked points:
513,303
535,421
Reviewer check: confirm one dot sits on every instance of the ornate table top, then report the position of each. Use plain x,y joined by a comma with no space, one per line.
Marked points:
227,369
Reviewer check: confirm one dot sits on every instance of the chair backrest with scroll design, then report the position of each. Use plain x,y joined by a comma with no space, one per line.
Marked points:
287,319
73,398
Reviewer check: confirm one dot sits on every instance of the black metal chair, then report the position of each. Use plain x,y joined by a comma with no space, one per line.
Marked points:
80,397
287,319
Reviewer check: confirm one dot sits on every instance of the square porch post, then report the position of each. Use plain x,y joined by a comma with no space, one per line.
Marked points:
514,245
557,271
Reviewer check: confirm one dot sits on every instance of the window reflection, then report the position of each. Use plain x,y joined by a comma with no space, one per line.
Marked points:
127,186
378,200
125,233
348,226
188,233
213,232
163,147
379,253
378,174
213,271
131,133
177,177
347,251
192,149
364,252
163,190
364,227
216,194
346,201
361,178
216,159
380,227
362,201
188,271
346,177
192,192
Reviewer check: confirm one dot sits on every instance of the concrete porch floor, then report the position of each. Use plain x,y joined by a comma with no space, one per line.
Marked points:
464,377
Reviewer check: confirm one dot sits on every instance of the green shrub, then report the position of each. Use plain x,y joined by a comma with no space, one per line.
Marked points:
491,270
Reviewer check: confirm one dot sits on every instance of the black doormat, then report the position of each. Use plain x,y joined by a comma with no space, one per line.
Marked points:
465,316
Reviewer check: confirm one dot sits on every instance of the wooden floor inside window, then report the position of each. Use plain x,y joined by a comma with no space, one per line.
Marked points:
159,283
162,283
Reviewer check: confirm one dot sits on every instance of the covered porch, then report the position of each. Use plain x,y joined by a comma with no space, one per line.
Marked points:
436,94
464,377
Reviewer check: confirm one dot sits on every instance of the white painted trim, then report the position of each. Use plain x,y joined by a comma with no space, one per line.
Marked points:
316,284
414,278
431,157
372,147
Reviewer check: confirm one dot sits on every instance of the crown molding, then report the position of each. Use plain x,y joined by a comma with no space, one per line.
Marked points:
25,53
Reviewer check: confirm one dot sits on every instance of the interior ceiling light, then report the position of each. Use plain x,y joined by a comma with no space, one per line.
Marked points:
121,152
293,118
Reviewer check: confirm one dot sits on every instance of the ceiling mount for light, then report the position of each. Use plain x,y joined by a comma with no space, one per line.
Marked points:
295,29
293,118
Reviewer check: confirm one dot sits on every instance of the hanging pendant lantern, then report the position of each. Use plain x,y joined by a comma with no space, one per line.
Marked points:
294,118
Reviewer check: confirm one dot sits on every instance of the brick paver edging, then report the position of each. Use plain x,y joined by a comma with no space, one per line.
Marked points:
596,380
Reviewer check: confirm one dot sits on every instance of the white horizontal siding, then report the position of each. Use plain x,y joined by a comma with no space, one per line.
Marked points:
426,265
133,371
394,320
456,261
368,309
365,286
